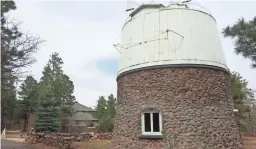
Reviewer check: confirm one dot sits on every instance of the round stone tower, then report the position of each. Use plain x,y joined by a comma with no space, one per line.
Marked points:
174,88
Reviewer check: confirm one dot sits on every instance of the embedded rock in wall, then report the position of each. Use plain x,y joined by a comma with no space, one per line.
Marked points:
195,103
102,136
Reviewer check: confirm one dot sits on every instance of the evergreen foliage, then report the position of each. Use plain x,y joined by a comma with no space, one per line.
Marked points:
244,35
56,96
48,114
17,49
243,98
29,98
106,112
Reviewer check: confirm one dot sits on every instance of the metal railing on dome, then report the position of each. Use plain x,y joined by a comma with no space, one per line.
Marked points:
193,6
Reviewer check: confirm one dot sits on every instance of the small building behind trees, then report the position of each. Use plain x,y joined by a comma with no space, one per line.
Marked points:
82,120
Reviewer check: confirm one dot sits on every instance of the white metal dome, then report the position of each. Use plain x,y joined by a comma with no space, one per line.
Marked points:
174,35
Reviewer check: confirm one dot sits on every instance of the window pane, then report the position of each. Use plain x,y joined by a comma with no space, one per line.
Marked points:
147,122
156,127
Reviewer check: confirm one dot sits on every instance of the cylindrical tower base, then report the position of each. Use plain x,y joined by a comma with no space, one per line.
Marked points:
196,107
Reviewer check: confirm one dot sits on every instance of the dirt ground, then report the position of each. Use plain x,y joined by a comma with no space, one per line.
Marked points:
20,140
7,144
41,146
249,142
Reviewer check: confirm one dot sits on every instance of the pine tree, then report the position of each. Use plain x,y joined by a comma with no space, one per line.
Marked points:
55,64
241,93
101,107
111,110
67,98
244,35
60,87
106,112
48,114
8,102
242,96
63,87
16,54
111,106
29,96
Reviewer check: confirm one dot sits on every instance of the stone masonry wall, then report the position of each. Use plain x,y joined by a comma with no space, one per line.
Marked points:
195,103
64,140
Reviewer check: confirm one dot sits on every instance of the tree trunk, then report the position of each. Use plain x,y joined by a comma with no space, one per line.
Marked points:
25,122
2,122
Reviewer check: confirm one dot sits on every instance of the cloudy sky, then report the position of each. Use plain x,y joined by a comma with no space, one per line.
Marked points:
83,33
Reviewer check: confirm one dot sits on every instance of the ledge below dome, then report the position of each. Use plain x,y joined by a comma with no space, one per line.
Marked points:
175,63
137,68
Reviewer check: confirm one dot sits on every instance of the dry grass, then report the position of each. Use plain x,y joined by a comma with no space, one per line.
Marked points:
40,146
96,144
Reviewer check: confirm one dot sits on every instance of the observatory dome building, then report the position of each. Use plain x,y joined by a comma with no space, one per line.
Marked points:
174,88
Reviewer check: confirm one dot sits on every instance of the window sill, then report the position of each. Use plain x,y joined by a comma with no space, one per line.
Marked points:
151,136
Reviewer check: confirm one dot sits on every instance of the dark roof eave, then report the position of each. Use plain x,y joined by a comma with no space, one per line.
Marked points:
85,119
85,111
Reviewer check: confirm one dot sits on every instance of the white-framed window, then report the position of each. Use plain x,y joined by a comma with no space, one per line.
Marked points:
151,122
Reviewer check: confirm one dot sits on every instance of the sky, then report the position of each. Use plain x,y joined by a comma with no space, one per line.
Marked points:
83,33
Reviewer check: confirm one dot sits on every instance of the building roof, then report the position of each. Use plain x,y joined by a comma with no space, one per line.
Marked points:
81,108
82,112
87,116
145,6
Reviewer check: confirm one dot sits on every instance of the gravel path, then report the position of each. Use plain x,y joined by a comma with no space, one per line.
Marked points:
6,144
